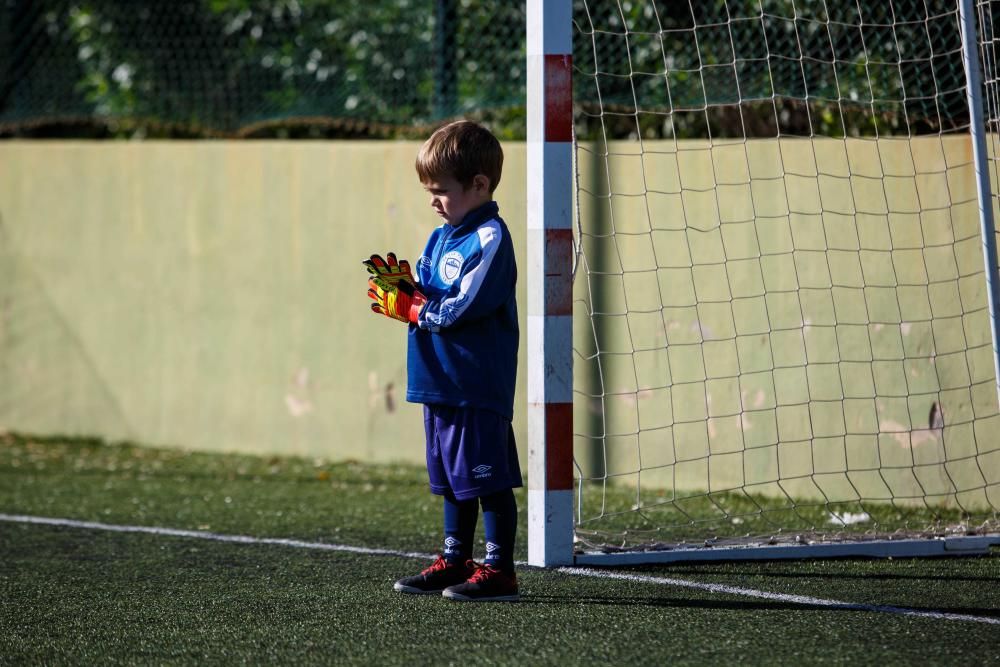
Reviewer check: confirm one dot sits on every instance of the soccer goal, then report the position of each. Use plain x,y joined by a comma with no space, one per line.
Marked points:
759,322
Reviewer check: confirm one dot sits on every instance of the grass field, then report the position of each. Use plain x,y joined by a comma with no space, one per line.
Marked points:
87,594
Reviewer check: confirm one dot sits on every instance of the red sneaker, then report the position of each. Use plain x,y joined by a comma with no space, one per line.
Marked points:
487,584
439,576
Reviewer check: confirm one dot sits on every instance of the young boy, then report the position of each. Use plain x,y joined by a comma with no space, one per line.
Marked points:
462,360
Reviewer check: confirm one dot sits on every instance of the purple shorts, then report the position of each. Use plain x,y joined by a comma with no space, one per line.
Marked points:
470,451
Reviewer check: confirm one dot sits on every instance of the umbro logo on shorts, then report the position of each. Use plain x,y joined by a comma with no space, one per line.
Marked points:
482,470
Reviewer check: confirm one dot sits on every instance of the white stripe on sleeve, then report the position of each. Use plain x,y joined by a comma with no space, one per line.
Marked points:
451,309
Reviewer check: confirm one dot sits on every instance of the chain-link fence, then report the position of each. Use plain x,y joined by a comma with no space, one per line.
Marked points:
240,66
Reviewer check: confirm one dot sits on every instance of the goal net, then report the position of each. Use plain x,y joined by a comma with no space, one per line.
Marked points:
781,322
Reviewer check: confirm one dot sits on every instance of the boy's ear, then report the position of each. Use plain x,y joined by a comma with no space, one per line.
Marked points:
481,183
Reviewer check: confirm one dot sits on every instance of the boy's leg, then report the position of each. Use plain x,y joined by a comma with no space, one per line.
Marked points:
500,525
495,580
460,518
479,457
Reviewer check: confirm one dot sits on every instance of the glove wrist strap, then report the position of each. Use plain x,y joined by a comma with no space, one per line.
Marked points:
415,307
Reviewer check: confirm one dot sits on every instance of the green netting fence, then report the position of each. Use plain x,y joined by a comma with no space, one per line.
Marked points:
344,67
235,66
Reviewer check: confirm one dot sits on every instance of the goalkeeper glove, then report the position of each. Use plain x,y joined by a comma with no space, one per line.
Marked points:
389,269
401,301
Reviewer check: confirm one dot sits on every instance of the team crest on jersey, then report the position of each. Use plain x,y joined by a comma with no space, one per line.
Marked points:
450,267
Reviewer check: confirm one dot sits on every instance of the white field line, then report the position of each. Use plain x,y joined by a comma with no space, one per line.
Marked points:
574,571
205,535
777,597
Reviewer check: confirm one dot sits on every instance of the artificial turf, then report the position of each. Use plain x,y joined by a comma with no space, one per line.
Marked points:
73,595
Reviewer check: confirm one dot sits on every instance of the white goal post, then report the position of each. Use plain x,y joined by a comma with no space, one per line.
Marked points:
762,280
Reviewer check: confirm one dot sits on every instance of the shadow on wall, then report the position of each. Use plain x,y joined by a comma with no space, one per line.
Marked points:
48,375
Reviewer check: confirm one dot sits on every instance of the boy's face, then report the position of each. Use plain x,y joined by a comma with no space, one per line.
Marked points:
451,201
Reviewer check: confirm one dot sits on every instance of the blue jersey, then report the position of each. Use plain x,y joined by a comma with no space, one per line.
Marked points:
463,350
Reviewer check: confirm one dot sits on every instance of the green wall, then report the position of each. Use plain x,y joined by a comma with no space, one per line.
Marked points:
211,295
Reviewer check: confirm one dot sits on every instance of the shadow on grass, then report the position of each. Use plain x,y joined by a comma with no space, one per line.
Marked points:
866,576
83,455
741,605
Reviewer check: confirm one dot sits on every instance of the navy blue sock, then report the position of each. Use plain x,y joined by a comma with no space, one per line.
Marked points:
460,518
500,526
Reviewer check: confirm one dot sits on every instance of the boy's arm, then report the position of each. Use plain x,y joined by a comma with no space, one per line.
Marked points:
485,283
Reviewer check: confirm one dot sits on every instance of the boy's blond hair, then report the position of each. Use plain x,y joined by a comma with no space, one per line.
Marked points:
461,150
